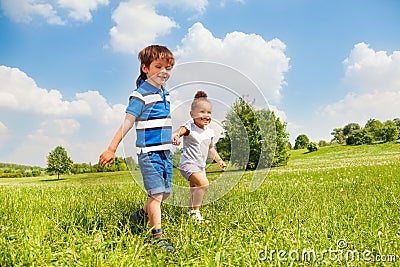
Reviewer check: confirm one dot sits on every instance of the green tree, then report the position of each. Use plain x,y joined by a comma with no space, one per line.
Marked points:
322,143
375,129
131,163
236,133
301,141
397,123
58,161
338,136
311,147
282,148
349,128
224,147
355,138
359,137
118,164
253,138
391,132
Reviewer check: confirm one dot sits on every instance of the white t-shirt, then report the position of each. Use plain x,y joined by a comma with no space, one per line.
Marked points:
196,145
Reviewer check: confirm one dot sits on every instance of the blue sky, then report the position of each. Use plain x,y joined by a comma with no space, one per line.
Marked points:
67,67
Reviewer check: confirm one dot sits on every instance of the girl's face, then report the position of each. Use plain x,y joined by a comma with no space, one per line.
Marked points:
201,114
158,72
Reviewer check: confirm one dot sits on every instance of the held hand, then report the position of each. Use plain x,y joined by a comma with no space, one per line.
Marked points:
222,165
176,140
106,158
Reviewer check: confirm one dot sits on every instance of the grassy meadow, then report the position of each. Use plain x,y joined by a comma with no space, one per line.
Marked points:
337,206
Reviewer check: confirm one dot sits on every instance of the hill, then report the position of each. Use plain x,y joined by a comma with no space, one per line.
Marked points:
337,206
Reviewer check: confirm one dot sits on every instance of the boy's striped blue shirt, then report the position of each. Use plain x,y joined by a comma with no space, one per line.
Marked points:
151,107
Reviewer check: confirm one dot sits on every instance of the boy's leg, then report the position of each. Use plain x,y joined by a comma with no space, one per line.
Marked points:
198,187
153,209
156,168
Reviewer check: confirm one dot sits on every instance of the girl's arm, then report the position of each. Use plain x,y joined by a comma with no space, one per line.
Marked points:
176,135
212,152
107,157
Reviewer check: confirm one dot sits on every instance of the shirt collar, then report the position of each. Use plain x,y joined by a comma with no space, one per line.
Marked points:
148,87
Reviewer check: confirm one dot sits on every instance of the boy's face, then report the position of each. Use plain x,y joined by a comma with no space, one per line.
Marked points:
158,72
201,114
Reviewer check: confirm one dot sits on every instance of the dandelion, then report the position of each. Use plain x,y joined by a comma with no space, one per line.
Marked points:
97,238
380,234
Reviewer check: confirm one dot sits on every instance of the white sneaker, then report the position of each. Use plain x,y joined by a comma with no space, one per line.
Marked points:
195,215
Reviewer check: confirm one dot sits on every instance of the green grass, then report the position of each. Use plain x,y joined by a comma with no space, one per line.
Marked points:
317,201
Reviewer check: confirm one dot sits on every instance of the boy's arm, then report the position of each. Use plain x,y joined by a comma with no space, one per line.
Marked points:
107,157
212,152
176,135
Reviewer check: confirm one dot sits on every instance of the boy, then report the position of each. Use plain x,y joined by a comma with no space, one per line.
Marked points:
149,109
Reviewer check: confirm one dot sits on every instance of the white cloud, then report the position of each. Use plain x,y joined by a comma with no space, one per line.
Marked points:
3,129
196,5
100,109
137,25
294,130
140,22
3,134
59,126
264,62
19,92
86,122
383,105
81,10
369,70
375,88
33,149
25,11
82,143
278,113
222,3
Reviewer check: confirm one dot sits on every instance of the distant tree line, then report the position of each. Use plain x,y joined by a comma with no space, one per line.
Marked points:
119,164
58,162
374,131
8,170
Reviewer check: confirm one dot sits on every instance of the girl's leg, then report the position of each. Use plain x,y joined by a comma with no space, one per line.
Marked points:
198,187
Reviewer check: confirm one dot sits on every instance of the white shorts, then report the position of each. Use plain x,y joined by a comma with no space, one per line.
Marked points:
188,169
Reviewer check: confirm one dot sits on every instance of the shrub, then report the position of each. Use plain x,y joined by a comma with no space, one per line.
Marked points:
312,147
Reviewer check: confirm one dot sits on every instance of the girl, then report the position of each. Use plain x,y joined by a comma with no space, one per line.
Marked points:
197,145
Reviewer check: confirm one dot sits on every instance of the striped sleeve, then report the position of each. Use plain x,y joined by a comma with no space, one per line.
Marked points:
136,104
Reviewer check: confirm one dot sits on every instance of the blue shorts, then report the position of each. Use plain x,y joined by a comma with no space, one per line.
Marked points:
156,169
